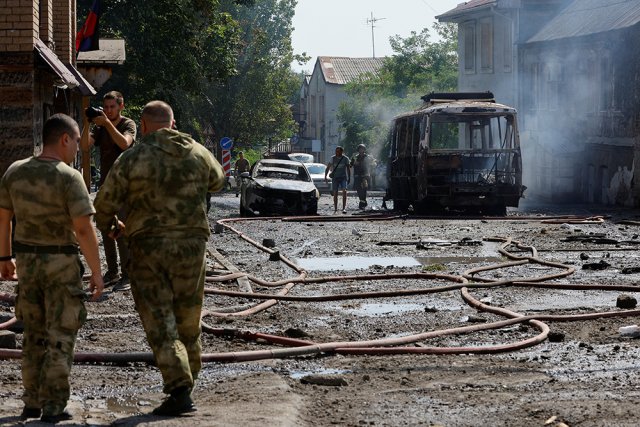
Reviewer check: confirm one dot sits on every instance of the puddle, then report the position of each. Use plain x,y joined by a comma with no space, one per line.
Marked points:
361,262
383,308
296,375
125,404
565,300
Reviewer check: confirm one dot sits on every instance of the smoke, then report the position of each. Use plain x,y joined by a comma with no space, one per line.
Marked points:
579,106
568,123
383,111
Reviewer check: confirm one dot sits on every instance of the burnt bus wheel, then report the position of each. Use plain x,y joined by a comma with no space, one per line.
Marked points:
400,205
497,210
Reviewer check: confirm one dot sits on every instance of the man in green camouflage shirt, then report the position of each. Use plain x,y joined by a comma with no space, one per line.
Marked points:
53,211
162,182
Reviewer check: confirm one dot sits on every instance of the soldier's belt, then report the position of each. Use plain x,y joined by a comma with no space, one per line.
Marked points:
30,249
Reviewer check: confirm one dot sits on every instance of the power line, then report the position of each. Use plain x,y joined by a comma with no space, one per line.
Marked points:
372,21
430,7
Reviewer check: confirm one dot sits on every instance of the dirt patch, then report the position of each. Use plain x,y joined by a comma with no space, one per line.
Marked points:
588,376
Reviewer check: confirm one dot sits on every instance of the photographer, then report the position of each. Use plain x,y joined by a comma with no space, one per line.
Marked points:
113,133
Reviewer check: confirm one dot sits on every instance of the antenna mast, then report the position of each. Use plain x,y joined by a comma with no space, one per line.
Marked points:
372,21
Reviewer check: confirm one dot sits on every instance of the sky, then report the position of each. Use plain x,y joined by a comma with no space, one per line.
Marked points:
340,28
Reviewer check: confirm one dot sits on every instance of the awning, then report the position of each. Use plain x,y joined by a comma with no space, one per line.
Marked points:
85,87
67,79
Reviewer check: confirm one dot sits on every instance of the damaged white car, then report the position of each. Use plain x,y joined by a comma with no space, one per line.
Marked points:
278,187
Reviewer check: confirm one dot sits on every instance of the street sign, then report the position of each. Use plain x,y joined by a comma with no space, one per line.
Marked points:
226,143
226,161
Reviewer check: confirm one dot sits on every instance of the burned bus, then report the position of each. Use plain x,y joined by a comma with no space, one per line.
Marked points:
457,152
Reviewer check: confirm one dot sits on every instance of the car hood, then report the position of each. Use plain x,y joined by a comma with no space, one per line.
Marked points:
281,184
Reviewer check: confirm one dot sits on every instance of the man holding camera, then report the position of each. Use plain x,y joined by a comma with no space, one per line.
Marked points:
112,134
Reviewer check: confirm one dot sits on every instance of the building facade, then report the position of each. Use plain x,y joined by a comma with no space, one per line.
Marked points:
320,97
37,73
567,67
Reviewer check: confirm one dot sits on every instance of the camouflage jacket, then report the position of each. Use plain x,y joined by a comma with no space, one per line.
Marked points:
162,182
45,196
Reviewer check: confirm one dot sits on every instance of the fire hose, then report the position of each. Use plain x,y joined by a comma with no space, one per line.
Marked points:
290,347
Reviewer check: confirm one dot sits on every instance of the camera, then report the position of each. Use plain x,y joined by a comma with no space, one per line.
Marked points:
93,112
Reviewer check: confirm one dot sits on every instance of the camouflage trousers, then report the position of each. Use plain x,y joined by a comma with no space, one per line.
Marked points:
50,304
111,254
167,282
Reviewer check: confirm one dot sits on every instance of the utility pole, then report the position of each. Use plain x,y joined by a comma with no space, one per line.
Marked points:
372,21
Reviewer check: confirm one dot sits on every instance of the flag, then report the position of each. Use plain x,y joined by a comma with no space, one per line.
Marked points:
87,37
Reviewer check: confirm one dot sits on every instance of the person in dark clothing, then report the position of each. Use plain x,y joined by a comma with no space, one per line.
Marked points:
113,134
362,163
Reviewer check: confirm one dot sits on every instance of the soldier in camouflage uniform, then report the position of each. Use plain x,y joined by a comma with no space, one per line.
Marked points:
362,163
162,182
53,211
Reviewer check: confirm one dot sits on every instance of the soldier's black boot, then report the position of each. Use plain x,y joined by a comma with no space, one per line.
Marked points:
30,413
54,419
177,403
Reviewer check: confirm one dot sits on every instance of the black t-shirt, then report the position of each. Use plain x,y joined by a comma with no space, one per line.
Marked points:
109,150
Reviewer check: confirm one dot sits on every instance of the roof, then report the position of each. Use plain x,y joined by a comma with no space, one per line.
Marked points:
586,17
84,86
342,70
51,59
466,7
112,51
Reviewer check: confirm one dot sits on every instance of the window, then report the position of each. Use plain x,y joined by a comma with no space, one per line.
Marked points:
507,39
486,45
606,84
554,85
530,95
470,48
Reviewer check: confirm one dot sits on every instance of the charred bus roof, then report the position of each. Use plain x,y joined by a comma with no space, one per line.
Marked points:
461,103
464,103
440,97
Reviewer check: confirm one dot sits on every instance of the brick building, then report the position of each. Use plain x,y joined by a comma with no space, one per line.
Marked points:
37,73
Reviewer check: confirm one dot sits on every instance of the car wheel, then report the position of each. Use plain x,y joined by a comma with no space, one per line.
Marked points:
312,209
243,211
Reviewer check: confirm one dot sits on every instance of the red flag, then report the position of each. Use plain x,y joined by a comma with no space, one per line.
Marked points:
87,37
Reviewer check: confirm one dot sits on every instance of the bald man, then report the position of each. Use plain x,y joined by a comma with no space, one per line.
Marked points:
162,182
53,211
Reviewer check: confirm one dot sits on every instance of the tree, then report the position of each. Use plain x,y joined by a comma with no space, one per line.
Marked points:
173,48
417,67
218,62
254,104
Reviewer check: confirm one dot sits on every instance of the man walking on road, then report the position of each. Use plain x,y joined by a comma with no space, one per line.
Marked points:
242,165
53,211
340,177
162,181
113,134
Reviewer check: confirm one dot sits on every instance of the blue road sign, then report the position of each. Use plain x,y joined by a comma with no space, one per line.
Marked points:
226,143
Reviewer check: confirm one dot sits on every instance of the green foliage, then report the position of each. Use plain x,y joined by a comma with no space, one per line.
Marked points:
418,66
251,154
253,105
218,62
